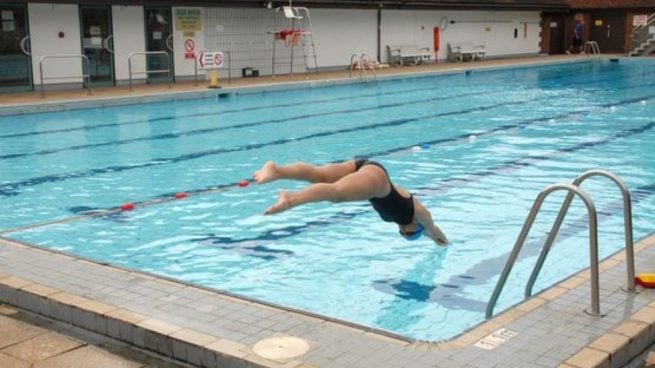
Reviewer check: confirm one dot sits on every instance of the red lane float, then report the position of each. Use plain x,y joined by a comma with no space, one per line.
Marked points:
243,183
127,206
180,195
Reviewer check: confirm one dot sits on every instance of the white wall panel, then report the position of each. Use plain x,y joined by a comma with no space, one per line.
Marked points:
129,36
494,29
339,33
46,21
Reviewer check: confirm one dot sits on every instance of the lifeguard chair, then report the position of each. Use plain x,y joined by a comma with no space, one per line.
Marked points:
298,33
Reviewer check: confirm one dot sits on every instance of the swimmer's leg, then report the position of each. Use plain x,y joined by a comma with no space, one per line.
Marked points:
328,173
368,182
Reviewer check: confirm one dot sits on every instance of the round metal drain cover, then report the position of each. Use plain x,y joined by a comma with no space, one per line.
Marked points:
281,347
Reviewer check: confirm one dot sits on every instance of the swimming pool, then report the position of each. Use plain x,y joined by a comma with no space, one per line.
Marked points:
495,139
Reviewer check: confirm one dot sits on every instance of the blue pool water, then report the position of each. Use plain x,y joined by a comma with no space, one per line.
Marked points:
495,138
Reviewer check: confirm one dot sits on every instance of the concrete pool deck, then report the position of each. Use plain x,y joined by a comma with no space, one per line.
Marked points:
210,329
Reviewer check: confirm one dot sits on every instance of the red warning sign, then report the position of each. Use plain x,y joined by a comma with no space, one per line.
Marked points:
189,45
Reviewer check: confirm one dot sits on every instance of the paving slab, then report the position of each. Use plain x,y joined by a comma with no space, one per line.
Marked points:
42,347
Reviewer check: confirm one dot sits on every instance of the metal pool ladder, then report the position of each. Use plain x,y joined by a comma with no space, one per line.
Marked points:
362,62
572,190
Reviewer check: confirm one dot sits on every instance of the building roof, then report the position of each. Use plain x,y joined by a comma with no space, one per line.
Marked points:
392,4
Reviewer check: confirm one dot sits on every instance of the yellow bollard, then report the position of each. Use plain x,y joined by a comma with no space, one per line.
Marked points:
213,80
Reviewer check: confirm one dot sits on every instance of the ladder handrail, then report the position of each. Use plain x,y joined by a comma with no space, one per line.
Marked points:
591,48
146,53
360,61
363,57
593,245
354,58
85,61
627,221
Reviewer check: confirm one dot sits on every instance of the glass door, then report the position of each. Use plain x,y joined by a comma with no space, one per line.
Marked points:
159,37
97,43
15,60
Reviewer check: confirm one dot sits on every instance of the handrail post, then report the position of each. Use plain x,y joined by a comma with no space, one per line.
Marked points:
514,254
170,69
129,69
41,76
88,74
195,68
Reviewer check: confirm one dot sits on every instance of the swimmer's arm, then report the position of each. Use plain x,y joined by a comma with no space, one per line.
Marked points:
432,231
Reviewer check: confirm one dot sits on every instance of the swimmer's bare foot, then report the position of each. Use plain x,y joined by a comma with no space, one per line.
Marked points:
267,173
283,203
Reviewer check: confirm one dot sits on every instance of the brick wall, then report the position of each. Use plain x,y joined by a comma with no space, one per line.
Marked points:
604,4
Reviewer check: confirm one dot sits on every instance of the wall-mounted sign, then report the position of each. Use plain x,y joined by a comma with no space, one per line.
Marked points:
95,31
189,48
188,19
210,60
639,20
156,35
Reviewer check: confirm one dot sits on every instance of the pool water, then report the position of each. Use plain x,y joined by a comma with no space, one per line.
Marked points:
476,148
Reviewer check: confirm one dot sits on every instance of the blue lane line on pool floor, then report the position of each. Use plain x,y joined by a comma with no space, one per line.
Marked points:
8,189
188,133
11,188
254,108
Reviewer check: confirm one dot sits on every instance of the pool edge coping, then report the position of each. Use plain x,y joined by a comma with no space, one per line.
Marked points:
182,342
153,97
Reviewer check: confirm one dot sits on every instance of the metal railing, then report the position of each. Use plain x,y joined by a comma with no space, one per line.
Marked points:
362,62
146,53
572,189
85,60
627,224
591,48
229,66
641,35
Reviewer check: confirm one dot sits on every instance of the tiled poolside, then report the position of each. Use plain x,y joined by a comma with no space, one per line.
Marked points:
209,329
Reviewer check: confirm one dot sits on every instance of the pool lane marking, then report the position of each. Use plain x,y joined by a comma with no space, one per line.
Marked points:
451,182
102,212
235,126
193,132
254,108
9,189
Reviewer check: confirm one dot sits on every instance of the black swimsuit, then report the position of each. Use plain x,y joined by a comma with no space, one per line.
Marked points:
394,207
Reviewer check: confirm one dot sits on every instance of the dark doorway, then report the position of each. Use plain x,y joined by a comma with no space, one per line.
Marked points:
557,33
608,30
159,37
96,32
15,60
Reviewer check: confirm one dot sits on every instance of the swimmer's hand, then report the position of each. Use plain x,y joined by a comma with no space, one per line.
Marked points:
437,236
268,172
